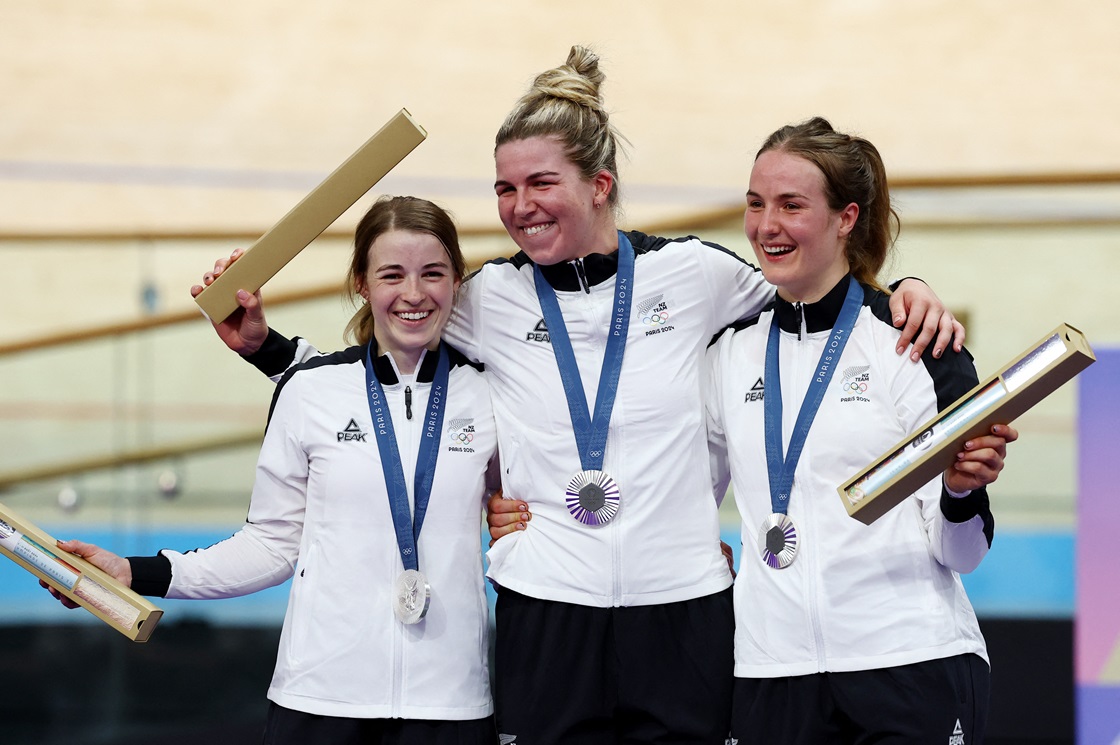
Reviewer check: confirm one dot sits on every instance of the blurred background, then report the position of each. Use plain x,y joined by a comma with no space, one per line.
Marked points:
139,142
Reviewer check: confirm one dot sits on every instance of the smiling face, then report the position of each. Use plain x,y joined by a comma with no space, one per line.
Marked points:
798,240
410,286
547,207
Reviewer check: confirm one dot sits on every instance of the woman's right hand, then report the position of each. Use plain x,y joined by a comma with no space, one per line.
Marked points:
505,516
246,329
115,566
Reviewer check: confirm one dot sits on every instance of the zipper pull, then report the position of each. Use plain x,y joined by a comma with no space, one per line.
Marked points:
582,275
800,318
407,402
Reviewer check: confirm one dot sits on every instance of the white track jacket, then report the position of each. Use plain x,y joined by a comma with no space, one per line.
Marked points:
857,596
320,511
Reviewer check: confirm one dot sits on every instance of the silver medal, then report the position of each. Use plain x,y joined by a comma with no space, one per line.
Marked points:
411,596
592,497
777,541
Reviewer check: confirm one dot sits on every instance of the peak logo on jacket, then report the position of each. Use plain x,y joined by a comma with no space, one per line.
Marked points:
352,433
460,435
854,383
539,333
654,312
757,392
957,738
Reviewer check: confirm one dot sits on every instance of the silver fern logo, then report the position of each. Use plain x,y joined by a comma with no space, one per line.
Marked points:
654,313
460,435
854,383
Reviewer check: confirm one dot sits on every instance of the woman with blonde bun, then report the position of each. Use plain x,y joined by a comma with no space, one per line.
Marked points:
614,615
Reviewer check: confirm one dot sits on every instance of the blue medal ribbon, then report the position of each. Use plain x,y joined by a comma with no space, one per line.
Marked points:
781,469
406,526
591,433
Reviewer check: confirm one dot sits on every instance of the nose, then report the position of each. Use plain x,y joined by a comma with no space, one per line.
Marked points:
523,203
768,221
411,292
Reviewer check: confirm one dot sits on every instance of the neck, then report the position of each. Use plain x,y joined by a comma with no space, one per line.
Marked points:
407,360
813,291
603,239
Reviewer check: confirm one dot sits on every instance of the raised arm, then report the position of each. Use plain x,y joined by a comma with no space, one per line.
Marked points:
246,329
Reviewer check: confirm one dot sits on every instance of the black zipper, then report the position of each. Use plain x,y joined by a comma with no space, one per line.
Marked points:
407,402
582,275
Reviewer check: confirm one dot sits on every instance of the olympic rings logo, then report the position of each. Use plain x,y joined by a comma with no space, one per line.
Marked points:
656,319
464,438
855,387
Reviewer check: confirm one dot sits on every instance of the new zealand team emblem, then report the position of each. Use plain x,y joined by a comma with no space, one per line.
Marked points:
854,383
460,435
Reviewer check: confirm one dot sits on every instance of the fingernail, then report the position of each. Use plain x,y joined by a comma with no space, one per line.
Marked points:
242,295
937,354
915,357
898,319
521,526
524,517
968,445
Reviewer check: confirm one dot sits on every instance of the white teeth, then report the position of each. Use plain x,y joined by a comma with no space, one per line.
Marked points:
536,229
777,249
418,316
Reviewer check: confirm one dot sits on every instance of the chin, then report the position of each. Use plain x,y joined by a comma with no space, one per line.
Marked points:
540,256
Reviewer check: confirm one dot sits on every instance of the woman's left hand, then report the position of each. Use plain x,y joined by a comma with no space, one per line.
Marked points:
981,460
729,556
926,317
505,516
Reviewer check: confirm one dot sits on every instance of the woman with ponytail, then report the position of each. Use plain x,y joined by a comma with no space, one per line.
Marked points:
844,632
385,641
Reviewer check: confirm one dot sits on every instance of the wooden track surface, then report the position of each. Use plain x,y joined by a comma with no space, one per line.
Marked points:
218,116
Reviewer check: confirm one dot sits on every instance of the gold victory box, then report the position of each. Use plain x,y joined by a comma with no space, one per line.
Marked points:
314,214
1026,380
102,595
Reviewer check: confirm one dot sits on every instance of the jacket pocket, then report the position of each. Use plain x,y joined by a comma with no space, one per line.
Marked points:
303,604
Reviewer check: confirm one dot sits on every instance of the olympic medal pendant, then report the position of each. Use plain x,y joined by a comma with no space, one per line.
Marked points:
777,541
592,497
411,595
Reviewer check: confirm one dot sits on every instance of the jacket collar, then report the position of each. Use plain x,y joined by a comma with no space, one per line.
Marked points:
819,316
597,267
386,370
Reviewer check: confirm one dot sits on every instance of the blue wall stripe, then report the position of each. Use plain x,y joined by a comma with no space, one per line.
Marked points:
1027,574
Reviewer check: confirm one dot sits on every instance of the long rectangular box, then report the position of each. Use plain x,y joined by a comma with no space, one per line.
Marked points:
1026,380
103,596
314,214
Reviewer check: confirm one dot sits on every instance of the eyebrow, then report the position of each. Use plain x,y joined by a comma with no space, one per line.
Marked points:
786,195
530,177
400,267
